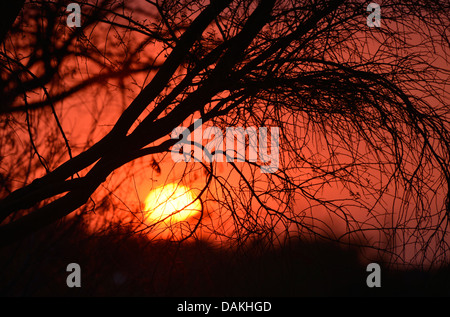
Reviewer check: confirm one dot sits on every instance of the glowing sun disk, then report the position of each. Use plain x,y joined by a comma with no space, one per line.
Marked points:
171,203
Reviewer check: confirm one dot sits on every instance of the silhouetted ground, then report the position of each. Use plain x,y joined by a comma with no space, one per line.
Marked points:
133,267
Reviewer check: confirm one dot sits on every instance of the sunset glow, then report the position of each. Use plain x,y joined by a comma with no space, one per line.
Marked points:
171,203
225,149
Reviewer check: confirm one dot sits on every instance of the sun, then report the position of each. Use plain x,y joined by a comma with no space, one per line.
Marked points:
171,203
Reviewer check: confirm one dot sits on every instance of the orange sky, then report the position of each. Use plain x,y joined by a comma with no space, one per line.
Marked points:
89,115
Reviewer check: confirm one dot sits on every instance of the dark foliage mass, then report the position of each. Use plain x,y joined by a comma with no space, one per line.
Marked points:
132,266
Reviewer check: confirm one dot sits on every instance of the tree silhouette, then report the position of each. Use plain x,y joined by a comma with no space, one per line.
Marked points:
362,114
